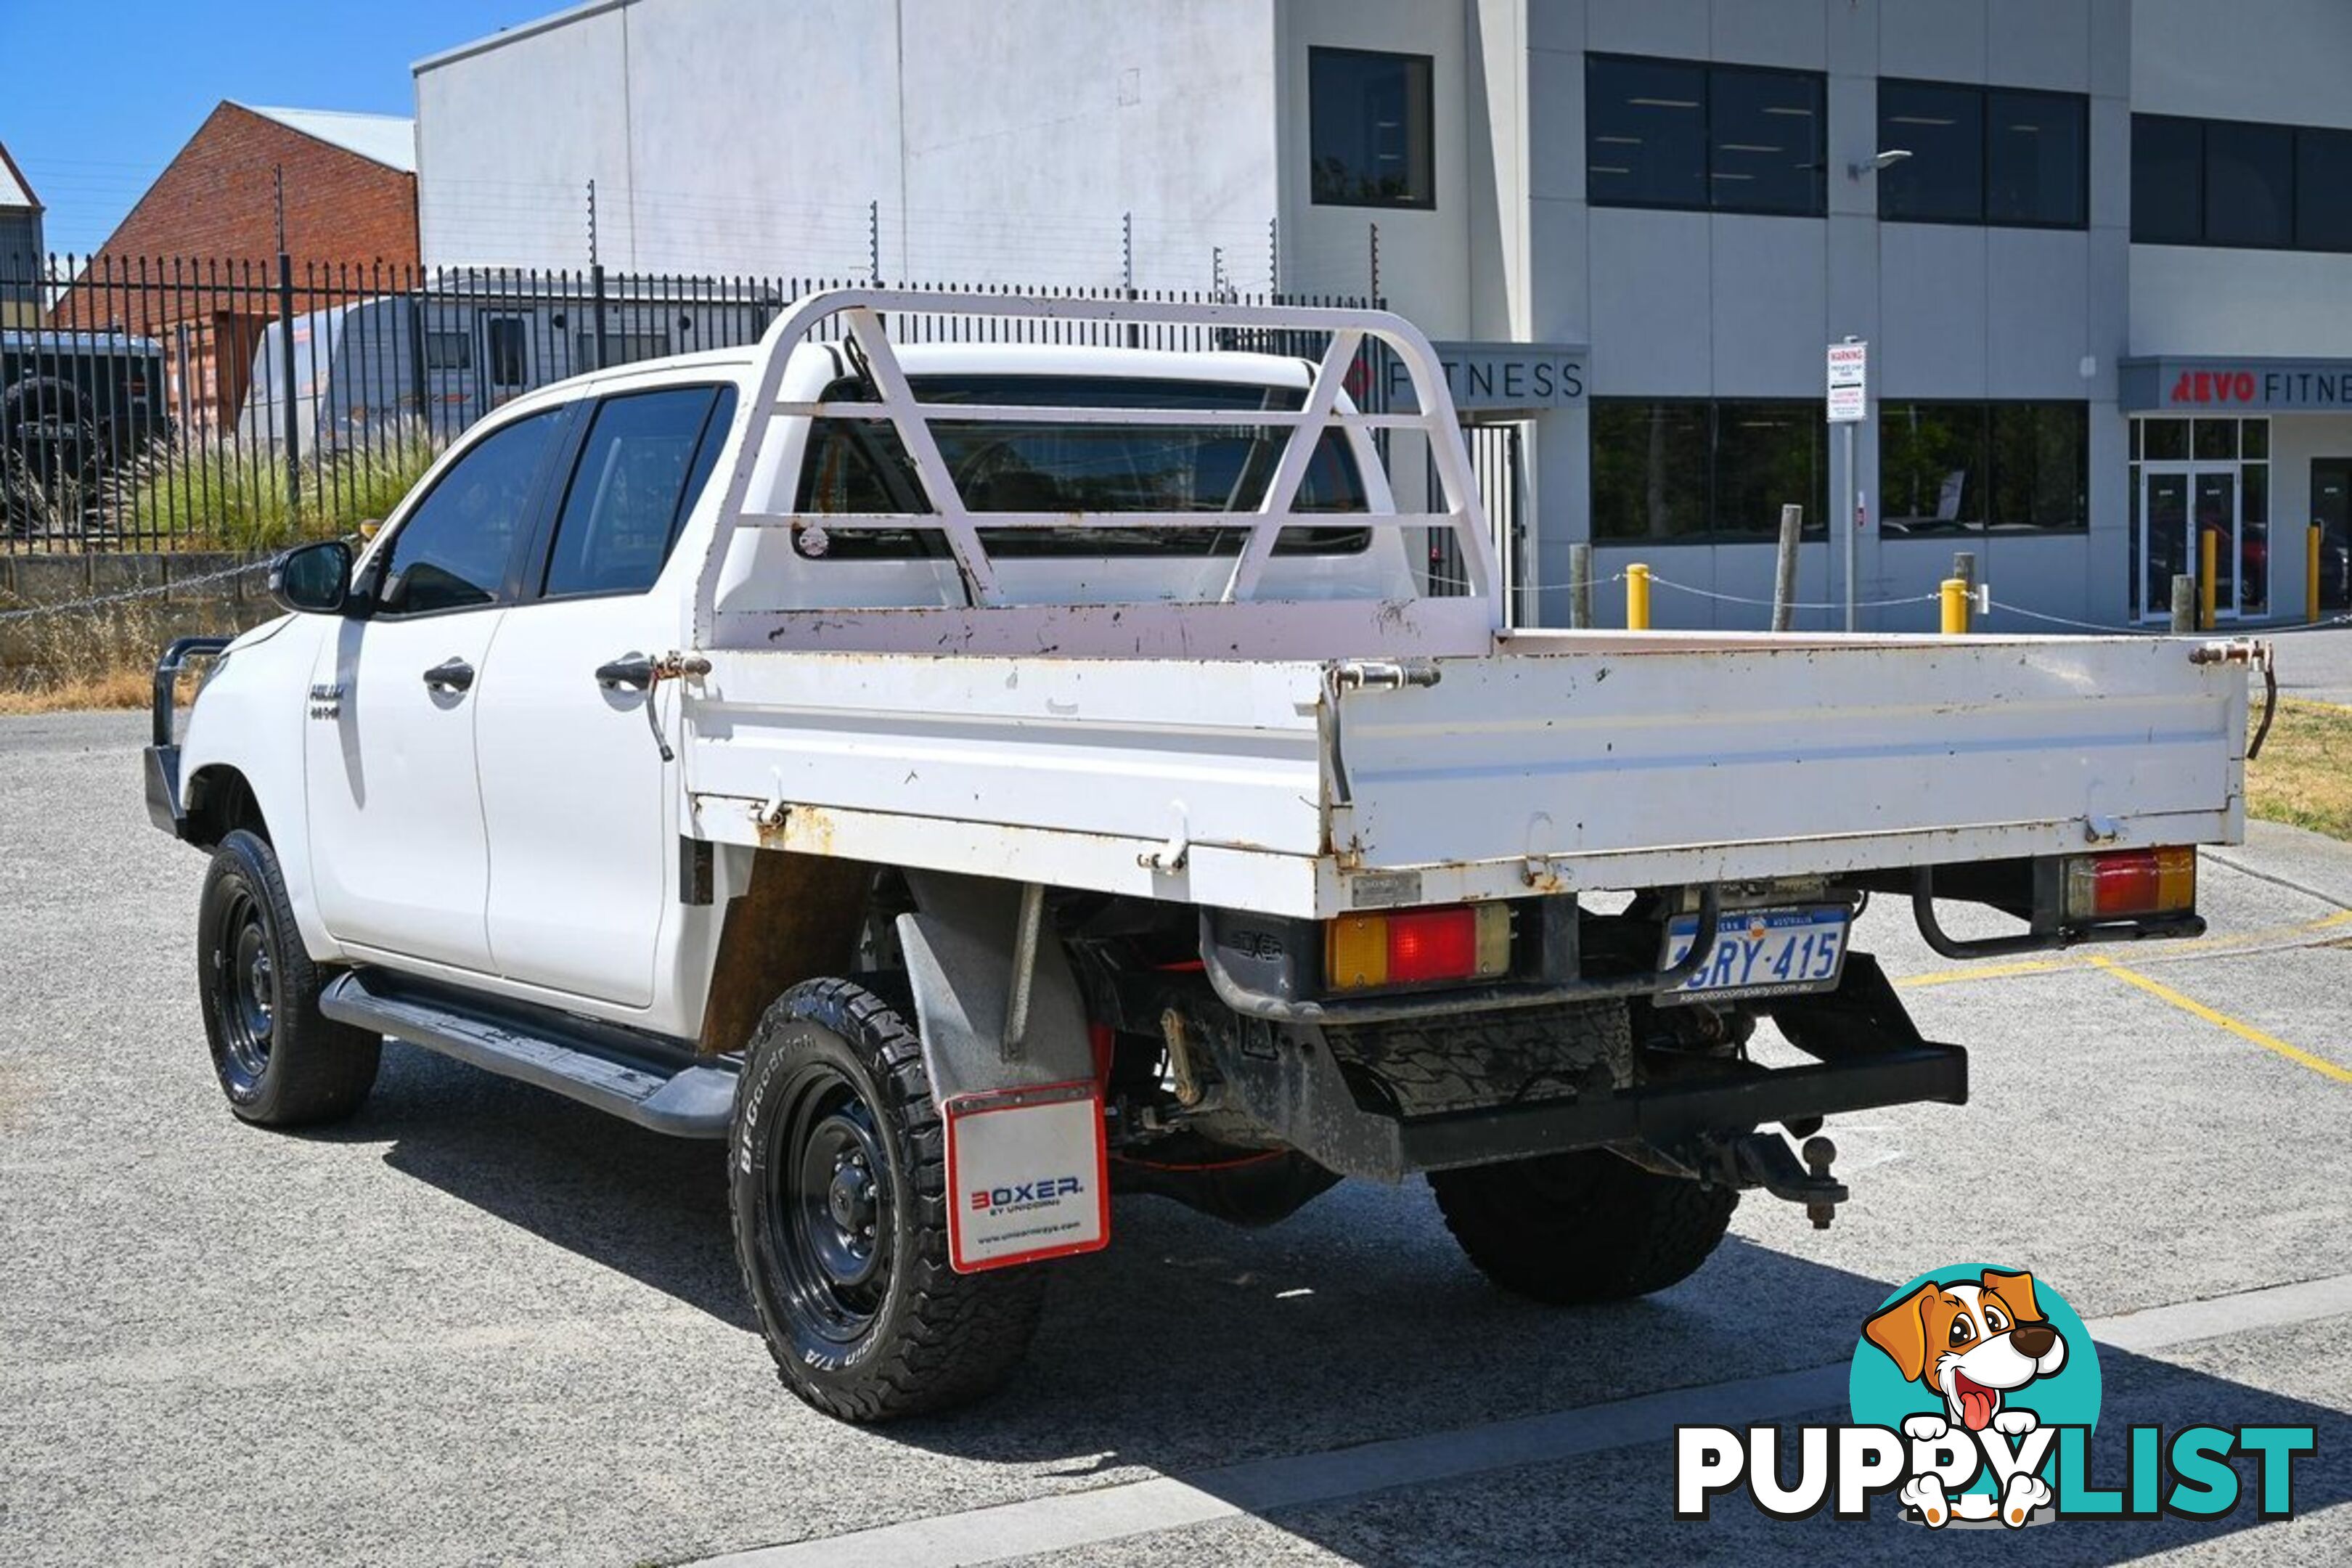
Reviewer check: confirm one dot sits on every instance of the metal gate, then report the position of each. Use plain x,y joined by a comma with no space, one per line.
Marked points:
1499,460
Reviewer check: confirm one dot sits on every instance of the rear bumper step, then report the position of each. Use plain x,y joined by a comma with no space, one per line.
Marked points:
595,1067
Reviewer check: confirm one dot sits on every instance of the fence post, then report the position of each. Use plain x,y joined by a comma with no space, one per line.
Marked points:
1637,598
1579,587
1955,591
2184,603
286,368
1784,575
596,308
2311,573
2208,544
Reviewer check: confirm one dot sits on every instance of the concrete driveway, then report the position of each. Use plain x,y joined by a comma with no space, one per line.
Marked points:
480,1324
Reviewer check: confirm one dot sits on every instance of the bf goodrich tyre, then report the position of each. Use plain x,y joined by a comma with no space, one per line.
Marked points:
281,1062
837,1186
1581,1227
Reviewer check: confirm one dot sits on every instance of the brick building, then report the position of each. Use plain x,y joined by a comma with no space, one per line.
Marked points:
195,264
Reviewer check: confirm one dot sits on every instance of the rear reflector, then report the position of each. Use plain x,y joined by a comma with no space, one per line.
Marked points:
2124,882
1416,947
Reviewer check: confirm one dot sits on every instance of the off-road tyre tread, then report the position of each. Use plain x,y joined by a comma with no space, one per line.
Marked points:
1629,1232
956,1336
320,1070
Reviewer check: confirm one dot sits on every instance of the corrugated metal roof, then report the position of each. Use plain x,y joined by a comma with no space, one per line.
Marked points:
386,139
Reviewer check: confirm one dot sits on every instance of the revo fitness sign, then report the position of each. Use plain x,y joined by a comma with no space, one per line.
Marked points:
2251,385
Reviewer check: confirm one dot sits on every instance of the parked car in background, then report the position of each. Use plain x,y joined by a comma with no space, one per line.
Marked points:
73,406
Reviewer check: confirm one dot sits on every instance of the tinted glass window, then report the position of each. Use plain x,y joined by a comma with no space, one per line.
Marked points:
1370,128
1764,140
1942,127
452,551
510,349
2249,184
1649,467
630,489
1002,466
1700,470
2034,158
2040,465
1665,133
1646,132
2167,180
1768,455
2323,189
1931,466
1947,467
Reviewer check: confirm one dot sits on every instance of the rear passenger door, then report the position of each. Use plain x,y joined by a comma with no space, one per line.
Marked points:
576,799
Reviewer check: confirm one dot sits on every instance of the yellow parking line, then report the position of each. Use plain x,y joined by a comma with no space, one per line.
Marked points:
2164,992
2170,949
1993,972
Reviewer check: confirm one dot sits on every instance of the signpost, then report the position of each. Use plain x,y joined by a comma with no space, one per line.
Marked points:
1849,405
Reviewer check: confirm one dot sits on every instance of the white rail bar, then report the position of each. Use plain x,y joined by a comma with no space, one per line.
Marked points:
867,311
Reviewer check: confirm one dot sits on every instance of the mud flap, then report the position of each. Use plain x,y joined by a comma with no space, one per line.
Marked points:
1028,1175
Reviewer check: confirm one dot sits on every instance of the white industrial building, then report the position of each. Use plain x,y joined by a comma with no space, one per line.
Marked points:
2104,294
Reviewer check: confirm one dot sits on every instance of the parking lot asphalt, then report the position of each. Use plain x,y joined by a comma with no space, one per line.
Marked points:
480,1324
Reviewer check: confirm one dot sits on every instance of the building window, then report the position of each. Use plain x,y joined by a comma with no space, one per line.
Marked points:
1968,468
1371,128
2228,182
1705,472
449,351
1669,134
1983,155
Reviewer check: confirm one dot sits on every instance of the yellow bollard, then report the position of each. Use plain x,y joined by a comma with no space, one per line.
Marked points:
2311,574
1637,598
1956,607
2207,542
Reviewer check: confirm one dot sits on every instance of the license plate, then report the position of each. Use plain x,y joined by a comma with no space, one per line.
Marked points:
1762,952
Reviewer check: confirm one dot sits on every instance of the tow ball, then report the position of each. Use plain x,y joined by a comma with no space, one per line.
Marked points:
1764,1160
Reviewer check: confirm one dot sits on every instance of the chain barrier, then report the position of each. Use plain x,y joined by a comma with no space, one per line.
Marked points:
1658,581
148,591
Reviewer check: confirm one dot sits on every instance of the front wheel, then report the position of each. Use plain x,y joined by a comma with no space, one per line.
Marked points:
1581,1227
281,1062
837,1187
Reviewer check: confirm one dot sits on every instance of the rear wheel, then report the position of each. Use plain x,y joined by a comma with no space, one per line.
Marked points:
838,1192
1581,1227
281,1062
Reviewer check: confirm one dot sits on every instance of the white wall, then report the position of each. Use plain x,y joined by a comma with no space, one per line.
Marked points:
1424,256
1002,142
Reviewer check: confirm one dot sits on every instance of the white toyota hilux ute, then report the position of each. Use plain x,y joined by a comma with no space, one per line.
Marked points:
976,777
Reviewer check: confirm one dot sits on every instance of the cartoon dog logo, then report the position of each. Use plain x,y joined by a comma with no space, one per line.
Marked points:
1972,1345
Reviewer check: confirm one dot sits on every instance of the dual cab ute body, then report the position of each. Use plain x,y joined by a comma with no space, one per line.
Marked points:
975,775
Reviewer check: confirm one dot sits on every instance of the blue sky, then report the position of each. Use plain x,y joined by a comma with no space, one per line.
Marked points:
159,65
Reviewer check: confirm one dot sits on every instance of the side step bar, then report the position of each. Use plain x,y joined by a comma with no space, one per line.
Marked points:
635,1080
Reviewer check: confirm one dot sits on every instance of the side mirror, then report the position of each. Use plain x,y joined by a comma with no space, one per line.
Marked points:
314,578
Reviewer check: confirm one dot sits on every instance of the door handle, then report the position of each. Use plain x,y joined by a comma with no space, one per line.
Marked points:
634,671
450,676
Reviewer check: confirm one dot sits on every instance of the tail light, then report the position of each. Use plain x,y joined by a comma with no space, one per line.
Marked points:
2126,882
1417,947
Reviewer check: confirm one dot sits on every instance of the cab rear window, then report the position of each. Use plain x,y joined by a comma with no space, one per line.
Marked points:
859,465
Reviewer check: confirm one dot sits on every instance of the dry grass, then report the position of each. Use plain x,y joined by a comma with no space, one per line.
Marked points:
2303,776
103,657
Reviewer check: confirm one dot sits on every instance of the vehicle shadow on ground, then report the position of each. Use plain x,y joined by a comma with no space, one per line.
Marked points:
1191,1345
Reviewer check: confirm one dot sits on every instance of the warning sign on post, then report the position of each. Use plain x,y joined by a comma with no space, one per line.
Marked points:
1849,390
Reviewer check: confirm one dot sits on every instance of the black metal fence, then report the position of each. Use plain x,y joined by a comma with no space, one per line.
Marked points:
239,405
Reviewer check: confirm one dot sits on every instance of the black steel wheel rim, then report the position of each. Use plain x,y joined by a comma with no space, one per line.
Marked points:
831,1205
245,984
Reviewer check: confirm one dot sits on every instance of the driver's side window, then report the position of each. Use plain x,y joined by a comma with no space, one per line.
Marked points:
452,551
